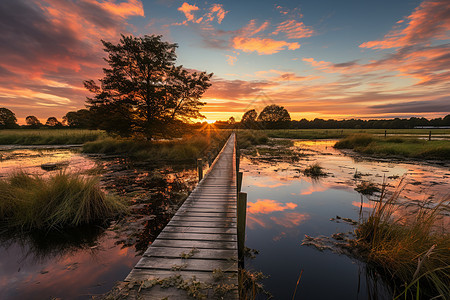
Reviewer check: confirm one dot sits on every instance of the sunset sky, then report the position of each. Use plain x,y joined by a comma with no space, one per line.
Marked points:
317,58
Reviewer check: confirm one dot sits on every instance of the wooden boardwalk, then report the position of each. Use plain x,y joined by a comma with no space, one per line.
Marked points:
204,232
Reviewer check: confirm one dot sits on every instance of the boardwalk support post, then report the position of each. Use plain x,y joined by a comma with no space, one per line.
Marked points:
241,220
239,182
200,169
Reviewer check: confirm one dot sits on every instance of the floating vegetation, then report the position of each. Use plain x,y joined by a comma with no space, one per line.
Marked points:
367,188
315,171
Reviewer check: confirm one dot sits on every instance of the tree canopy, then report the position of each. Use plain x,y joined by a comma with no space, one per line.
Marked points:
7,118
143,92
33,122
274,116
53,122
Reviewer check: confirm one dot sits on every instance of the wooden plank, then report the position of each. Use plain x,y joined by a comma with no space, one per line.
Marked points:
230,230
176,252
145,274
197,236
191,264
207,214
218,224
204,219
196,244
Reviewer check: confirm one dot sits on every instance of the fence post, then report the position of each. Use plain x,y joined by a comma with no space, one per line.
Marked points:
429,136
385,133
241,220
200,169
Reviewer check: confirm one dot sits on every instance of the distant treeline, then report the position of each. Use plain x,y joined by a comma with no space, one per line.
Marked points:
272,117
344,124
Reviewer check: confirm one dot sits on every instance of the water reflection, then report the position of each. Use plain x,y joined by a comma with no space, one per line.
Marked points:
284,206
79,263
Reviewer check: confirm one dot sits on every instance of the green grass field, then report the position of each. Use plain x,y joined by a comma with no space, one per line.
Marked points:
396,146
48,136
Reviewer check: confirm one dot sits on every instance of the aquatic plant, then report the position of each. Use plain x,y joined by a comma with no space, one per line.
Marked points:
315,170
367,188
410,247
60,200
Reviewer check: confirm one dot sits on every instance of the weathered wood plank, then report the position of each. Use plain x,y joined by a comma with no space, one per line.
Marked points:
183,229
203,219
218,224
191,264
207,277
197,236
196,244
174,252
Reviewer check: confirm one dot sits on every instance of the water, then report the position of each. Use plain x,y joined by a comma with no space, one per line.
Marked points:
284,206
83,262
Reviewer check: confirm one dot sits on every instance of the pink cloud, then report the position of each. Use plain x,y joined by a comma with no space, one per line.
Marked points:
430,20
263,46
294,29
231,59
267,206
187,9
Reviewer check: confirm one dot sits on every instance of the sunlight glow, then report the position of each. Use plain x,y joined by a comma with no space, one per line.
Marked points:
210,121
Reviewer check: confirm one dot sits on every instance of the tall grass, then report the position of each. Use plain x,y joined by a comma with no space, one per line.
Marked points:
248,138
48,136
411,248
61,200
188,148
406,147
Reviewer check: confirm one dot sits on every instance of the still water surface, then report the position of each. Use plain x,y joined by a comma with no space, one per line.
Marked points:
284,206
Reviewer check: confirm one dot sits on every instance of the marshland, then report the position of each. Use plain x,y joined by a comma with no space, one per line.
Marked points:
316,213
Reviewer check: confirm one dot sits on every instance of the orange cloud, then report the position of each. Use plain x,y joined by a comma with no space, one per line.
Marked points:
262,46
268,206
123,9
187,9
231,59
290,220
294,29
219,11
430,20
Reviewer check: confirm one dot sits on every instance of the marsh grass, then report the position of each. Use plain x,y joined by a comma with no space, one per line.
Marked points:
406,147
249,138
49,136
315,170
188,148
408,247
58,201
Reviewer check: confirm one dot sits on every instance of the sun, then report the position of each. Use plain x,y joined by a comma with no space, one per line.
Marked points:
210,121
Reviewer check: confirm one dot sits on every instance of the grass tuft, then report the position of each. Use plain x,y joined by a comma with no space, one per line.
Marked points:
315,170
61,200
410,247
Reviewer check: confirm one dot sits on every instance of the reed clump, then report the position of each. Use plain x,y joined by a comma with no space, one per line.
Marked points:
411,248
315,170
59,201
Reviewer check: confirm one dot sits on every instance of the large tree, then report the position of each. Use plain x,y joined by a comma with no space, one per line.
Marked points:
274,116
82,118
33,122
248,119
53,122
7,119
143,92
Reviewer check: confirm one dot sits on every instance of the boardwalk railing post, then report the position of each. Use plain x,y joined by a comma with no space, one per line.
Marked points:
385,133
429,136
200,169
241,220
239,182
